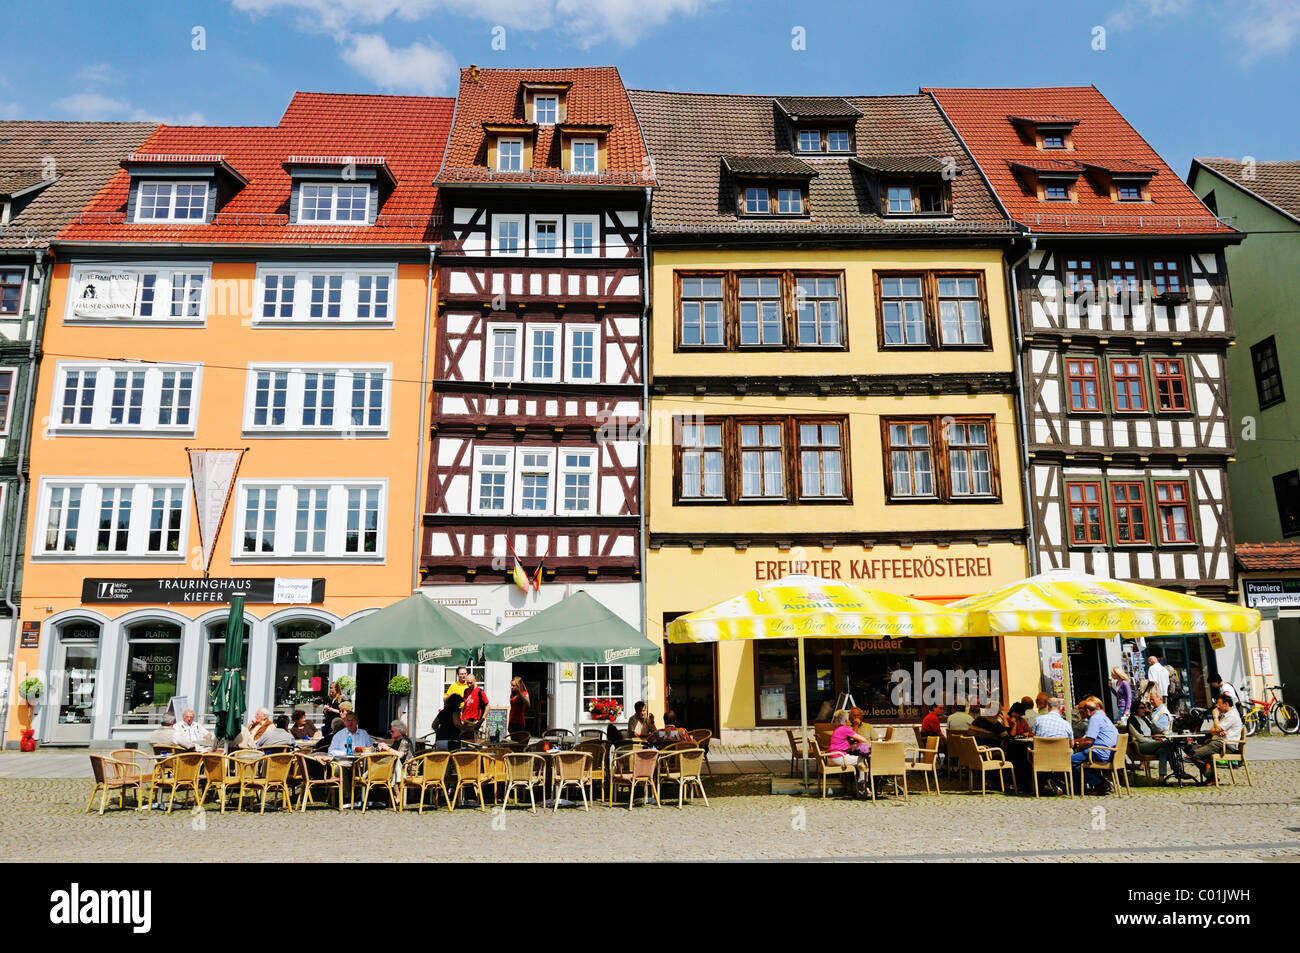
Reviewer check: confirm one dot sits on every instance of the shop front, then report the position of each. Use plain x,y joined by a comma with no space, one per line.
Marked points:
1272,653
757,693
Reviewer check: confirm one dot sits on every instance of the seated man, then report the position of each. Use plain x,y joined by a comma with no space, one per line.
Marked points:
669,733
191,733
276,735
253,731
165,733
1052,723
640,724
962,720
1225,729
1101,733
351,732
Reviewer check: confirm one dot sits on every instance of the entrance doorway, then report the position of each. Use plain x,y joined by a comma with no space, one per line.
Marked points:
77,668
691,682
374,706
1286,668
1088,672
1193,662
537,679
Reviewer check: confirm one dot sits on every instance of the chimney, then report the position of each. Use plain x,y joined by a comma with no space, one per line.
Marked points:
473,72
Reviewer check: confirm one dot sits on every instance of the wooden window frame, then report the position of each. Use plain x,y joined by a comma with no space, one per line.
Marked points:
788,280
1178,272
1187,502
939,456
841,332
21,272
782,299
1267,346
737,461
1095,377
732,473
797,450
1139,505
1069,514
773,187
1181,377
930,309
1141,378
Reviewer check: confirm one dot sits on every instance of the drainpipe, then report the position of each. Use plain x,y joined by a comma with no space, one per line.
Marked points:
421,489
645,410
20,522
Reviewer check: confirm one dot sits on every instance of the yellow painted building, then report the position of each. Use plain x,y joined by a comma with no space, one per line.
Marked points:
831,393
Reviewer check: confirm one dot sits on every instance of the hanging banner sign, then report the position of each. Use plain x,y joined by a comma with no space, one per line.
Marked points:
214,477
104,293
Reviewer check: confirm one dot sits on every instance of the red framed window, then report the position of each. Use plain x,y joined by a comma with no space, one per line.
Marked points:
1171,383
1085,513
1127,386
1129,510
1174,511
1083,384
1166,276
11,290
1125,281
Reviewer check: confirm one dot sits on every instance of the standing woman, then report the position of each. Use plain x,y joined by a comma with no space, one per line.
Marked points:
519,704
333,703
1123,690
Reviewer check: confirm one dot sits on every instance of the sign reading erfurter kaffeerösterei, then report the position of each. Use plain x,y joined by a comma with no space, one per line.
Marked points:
278,590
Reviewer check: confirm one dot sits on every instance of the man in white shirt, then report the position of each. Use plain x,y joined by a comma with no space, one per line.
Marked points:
1160,675
191,734
1219,687
1052,724
1225,730
360,738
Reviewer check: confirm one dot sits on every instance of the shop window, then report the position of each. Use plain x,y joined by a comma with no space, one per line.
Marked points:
153,652
77,671
216,659
297,685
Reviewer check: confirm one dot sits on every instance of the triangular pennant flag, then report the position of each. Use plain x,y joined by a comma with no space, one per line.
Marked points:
517,572
537,576
213,476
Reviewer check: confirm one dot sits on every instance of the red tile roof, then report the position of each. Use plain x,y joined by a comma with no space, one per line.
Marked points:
408,133
595,97
1102,138
1268,555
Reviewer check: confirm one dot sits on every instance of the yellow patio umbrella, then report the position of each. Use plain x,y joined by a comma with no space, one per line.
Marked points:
808,607
1075,605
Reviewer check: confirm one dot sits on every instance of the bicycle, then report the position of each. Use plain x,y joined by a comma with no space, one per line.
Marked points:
1256,715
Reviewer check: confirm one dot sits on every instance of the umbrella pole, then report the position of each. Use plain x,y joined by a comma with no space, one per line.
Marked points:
1065,675
803,714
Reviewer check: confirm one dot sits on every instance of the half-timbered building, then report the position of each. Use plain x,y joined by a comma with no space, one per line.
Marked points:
831,394
534,485
1124,323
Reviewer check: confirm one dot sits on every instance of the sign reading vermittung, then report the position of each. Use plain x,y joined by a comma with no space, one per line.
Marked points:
279,590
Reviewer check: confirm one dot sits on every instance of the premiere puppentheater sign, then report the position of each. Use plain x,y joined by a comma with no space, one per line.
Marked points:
276,590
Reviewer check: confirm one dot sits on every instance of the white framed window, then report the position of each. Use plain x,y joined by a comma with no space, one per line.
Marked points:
112,519
325,296
329,399
810,140
534,481
582,352
504,342
507,234
544,358
576,483
184,202
546,236
492,484
333,203
584,235
585,154
602,681
310,520
107,398
170,294
546,110
510,155
837,140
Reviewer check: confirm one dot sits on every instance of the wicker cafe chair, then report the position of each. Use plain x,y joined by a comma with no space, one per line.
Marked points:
826,766
952,751
113,775
1232,760
495,774
888,760
180,772
702,737
218,773
569,768
137,763
979,758
375,769
319,773
925,759
520,737
247,765
683,769
797,753
526,771
599,751
470,771
591,734
634,768
425,772
1117,766
1052,756
274,775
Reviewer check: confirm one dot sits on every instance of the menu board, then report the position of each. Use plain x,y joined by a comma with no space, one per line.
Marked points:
771,703
496,723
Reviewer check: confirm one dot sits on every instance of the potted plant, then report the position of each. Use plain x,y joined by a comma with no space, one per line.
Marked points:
604,709
31,689
347,685
399,687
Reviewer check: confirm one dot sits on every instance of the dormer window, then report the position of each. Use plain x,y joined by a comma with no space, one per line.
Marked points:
789,202
586,154
756,201
510,155
172,202
1056,193
837,140
817,141
1053,140
546,110
915,199
810,140
1129,193
333,204
1046,131
770,185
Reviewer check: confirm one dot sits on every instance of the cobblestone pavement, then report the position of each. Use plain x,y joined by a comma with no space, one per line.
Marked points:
44,819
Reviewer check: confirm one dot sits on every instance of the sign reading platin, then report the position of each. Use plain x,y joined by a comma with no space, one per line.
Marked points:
217,591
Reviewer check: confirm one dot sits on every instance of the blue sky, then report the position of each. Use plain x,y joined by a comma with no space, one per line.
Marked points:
1196,77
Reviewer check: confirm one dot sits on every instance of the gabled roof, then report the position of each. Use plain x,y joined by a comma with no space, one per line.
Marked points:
406,133
1268,555
817,107
79,158
899,165
986,121
773,165
690,133
1275,183
595,98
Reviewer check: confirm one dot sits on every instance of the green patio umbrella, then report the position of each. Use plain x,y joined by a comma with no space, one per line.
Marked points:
416,630
575,629
228,696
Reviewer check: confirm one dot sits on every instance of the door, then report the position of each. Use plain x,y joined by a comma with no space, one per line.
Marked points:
76,672
1088,674
374,706
537,679
690,673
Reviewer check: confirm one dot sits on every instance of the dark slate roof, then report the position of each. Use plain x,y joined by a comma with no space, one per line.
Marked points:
1277,183
688,135
898,164
817,107
768,165
81,156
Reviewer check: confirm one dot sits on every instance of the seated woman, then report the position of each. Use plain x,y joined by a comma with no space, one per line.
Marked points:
1017,723
1148,737
848,747
300,727
397,741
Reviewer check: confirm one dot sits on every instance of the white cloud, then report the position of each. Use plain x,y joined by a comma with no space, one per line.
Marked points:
99,108
418,68
1135,11
98,74
11,111
1266,28
591,22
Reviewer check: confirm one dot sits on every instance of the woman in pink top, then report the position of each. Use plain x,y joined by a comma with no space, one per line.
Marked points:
847,746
